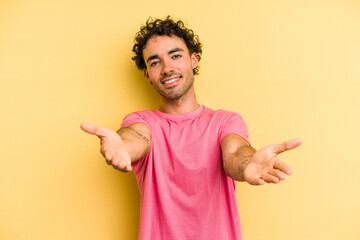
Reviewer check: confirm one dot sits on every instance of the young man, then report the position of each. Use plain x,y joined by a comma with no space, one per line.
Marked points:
185,156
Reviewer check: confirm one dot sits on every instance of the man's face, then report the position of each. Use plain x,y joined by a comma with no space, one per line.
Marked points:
169,66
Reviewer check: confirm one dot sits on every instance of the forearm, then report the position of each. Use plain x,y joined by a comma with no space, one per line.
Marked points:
236,160
243,163
136,144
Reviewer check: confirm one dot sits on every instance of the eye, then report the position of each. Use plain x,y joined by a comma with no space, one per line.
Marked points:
176,56
153,63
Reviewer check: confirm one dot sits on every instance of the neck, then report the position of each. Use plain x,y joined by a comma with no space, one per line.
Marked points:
184,104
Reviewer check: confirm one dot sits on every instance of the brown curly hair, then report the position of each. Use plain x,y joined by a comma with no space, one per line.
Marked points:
165,27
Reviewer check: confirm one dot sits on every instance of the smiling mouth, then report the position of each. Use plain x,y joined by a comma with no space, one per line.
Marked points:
171,80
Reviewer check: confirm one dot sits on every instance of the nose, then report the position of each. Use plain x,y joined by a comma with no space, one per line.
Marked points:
167,67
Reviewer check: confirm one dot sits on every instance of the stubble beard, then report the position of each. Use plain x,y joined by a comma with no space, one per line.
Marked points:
175,93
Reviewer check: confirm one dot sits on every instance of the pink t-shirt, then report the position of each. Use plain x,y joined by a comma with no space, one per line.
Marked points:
185,193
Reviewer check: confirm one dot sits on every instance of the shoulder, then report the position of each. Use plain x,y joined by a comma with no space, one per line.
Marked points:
144,116
227,120
221,114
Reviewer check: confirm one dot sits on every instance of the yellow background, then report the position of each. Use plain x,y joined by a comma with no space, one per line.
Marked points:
290,68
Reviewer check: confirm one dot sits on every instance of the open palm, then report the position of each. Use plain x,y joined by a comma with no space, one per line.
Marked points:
112,146
265,165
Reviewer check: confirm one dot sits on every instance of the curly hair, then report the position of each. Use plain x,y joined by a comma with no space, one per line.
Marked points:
165,27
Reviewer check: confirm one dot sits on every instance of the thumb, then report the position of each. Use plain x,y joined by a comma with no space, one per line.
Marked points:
93,129
287,145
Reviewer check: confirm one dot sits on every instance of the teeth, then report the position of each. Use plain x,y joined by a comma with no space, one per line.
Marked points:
170,81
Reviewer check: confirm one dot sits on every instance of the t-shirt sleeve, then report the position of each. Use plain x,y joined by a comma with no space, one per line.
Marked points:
234,124
134,118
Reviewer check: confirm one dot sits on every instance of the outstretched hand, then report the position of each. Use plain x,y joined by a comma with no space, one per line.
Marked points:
112,146
265,165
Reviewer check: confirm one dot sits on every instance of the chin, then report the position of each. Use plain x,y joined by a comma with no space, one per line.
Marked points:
172,97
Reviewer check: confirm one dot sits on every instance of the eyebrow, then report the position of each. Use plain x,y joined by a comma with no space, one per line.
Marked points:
152,57
170,52
175,50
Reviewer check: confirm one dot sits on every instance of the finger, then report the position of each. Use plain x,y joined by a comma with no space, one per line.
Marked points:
106,153
283,167
270,178
287,145
277,173
118,165
108,158
126,168
95,130
260,182
123,166
115,167
255,181
108,162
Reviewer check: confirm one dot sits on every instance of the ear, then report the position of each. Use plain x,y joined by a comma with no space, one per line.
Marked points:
146,74
194,60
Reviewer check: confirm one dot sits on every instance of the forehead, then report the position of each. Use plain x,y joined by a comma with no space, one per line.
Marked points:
157,45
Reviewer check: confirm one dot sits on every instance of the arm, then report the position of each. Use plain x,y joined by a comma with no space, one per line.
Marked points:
243,163
123,147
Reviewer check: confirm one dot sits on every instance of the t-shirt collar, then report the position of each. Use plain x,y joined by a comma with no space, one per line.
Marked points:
184,116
